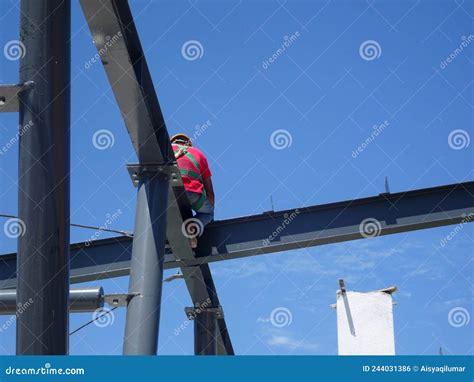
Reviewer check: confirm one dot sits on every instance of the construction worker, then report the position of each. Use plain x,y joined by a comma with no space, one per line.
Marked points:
197,181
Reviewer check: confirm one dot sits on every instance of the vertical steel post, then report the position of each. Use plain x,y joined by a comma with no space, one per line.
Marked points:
205,333
146,270
44,165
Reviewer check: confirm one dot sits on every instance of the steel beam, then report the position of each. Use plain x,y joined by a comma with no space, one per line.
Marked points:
336,222
44,165
312,226
116,38
119,48
205,333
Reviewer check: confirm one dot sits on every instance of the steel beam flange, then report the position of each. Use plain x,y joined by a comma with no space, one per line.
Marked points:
171,170
119,299
192,312
9,96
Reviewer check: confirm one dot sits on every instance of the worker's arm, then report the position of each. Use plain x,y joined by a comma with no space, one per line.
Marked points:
207,183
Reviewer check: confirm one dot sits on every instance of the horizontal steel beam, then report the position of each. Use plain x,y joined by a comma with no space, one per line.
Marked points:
337,222
268,232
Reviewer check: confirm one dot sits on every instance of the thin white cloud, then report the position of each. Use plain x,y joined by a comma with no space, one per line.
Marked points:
359,256
291,343
444,305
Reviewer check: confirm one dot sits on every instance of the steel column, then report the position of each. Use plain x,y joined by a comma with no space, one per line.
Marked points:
146,271
205,333
44,165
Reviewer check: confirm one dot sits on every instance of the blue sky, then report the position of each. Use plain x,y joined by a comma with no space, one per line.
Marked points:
327,94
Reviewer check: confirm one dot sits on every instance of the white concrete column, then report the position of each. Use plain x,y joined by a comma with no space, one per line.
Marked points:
365,323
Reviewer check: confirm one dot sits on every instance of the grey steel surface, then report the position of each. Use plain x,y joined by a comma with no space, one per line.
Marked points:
80,300
205,333
117,41
116,38
316,225
9,98
146,275
86,299
118,299
44,165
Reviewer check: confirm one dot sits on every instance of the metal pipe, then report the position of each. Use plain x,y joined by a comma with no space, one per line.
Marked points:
80,300
205,333
86,300
44,165
146,271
